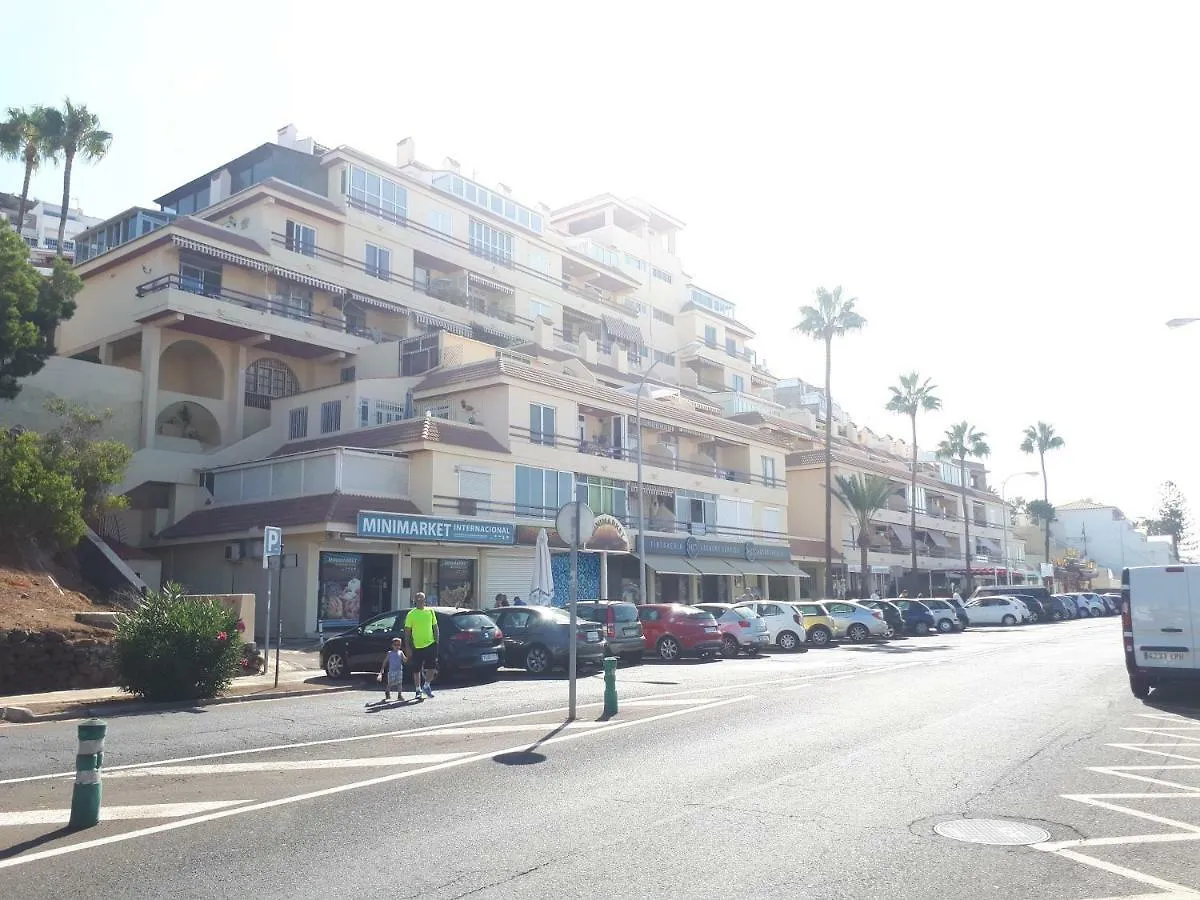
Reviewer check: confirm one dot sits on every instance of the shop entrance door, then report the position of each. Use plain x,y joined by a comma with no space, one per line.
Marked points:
377,595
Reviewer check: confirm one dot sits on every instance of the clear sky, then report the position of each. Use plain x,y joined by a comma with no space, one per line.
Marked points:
1010,189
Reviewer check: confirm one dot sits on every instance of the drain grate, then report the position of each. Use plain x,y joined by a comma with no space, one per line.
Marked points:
992,831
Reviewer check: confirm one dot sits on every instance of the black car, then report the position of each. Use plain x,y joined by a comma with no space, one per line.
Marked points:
1036,607
891,614
537,638
469,643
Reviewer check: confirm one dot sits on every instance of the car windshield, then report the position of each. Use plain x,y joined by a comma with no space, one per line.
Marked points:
554,614
624,612
742,613
471,621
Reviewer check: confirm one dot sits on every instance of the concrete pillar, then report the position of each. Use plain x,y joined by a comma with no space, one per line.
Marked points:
235,393
766,587
151,353
106,353
603,575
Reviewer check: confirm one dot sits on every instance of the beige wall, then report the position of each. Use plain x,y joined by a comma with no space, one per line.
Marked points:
91,385
108,301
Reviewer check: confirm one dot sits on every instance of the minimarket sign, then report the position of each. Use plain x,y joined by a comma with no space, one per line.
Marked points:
431,529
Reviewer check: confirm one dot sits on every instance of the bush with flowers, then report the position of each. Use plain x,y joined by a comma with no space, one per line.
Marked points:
174,647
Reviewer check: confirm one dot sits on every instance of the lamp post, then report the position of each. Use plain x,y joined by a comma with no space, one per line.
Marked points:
641,487
1004,519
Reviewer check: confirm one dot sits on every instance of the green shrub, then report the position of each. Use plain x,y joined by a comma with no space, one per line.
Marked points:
177,648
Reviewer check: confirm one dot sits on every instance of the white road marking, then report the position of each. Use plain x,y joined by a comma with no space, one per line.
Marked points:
531,727
1131,874
291,765
343,788
113,813
1147,748
670,701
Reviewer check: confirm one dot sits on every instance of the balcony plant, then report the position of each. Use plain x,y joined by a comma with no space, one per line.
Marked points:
864,496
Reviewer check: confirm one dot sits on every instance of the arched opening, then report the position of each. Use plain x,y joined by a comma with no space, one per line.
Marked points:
189,367
269,379
189,421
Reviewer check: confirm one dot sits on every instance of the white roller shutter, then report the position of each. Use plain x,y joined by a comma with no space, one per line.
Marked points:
508,575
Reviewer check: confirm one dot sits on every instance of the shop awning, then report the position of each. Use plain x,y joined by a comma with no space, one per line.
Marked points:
939,539
992,544
789,570
713,566
668,565
903,534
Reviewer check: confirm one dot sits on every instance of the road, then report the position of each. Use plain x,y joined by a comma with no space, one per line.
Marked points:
820,775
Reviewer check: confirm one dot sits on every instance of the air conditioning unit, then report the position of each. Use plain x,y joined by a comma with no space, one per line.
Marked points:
233,551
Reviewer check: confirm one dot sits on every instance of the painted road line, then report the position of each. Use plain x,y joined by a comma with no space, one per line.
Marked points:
669,701
113,813
1146,748
524,727
291,765
1129,839
1131,874
344,788
1091,800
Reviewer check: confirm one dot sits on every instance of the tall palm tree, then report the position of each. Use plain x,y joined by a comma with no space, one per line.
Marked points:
863,496
1041,439
961,441
82,136
913,396
30,136
831,316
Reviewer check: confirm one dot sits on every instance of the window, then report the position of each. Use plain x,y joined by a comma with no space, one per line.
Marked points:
31,241
668,358
738,383
199,279
491,243
348,373
380,196
695,512
379,262
713,302
475,484
296,302
420,354
364,413
539,262
731,346
298,423
602,254
604,495
661,275
541,424
434,409
768,470
51,243
301,238
662,316
68,246
497,203
386,625
710,335
440,220
735,515
331,416
634,263
541,309
542,492
388,411
267,379
772,520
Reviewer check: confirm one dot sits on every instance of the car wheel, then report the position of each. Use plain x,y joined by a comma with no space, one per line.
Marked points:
921,629
787,640
820,636
1033,618
537,660
945,626
669,649
858,633
729,646
1140,686
1010,619
336,665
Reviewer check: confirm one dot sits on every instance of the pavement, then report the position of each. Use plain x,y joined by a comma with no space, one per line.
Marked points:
820,775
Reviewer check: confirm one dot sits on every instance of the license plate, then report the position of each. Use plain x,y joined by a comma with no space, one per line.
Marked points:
710,629
593,637
630,632
1164,655
490,657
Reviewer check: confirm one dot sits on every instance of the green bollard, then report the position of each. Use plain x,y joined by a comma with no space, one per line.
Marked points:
85,800
610,685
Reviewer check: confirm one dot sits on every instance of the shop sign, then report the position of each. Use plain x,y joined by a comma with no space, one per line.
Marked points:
695,547
431,529
609,534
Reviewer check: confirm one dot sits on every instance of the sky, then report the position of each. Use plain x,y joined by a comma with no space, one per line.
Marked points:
1009,189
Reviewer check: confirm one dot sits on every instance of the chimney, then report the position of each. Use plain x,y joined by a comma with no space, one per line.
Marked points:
406,152
287,136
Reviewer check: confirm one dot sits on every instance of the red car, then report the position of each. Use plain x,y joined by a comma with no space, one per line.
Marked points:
675,631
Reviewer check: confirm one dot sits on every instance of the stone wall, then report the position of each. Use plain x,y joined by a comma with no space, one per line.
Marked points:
32,662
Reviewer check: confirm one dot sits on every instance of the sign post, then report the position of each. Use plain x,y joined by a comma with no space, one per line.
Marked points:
272,546
572,520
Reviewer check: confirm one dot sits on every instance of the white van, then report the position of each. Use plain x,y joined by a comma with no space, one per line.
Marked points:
1160,624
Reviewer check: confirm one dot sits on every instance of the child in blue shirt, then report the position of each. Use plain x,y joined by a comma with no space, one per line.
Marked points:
393,670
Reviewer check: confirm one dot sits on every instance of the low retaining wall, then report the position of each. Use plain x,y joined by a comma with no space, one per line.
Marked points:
32,662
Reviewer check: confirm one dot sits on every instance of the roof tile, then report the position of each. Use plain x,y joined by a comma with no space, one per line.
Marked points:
426,429
313,510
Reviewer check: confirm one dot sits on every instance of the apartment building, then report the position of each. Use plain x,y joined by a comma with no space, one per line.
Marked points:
40,226
410,372
1101,532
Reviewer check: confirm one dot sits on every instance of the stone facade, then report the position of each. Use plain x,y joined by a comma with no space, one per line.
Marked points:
48,661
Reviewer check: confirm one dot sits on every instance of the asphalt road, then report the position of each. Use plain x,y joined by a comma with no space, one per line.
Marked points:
820,775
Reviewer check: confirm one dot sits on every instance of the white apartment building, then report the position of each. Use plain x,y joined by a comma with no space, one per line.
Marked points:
40,228
1101,532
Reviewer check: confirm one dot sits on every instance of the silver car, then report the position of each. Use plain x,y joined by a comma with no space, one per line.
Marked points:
741,629
945,615
856,622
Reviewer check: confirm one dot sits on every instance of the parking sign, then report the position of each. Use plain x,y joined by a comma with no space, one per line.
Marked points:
272,543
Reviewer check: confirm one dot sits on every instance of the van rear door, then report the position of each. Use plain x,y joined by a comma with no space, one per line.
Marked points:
1164,614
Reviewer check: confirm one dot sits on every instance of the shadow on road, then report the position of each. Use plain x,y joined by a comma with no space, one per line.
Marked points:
891,648
1181,699
529,756
18,849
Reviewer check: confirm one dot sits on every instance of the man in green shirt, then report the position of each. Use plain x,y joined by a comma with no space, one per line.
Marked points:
421,634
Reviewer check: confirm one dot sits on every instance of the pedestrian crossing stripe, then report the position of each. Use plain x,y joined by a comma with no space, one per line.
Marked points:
113,813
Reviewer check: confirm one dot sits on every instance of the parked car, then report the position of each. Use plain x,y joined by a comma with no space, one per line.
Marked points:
1057,608
1007,590
1113,603
945,616
623,634
741,629
785,623
918,618
1026,615
1037,612
1069,607
1089,605
821,628
674,630
469,643
891,614
1097,604
858,623
538,638
996,611
1160,615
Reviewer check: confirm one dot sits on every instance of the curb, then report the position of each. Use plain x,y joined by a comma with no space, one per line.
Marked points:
121,706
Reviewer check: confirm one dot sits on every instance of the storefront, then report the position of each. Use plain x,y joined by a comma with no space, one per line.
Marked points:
696,570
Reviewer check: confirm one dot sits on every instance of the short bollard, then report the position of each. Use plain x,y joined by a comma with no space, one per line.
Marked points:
610,685
85,800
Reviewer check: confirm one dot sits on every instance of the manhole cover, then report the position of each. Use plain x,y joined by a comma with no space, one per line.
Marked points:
992,831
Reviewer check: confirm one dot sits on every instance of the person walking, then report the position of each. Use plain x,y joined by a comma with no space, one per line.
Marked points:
517,601
421,632
393,671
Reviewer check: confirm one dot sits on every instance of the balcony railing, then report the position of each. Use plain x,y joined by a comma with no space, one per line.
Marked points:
897,549
271,306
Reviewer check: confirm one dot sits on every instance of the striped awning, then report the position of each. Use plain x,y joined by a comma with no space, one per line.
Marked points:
652,490
489,283
378,303
438,322
251,263
622,330
939,539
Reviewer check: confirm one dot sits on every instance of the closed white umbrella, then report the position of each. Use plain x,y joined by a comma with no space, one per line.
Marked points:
541,587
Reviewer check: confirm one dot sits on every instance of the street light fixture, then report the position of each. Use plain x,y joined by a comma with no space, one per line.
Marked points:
1004,518
641,532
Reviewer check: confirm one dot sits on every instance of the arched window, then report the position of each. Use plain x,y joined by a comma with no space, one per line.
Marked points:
267,379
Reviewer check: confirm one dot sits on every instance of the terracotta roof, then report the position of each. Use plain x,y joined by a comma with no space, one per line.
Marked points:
427,429
217,233
809,549
507,368
319,509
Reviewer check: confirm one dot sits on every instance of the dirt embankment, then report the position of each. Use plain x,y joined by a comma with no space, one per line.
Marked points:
35,600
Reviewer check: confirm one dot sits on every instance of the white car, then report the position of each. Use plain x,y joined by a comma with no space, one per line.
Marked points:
1026,612
784,622
996,611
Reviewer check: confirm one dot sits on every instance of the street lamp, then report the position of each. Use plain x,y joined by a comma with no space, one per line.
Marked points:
1004,519
641,532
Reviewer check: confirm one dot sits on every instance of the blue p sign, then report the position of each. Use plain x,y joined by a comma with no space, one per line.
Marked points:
272,542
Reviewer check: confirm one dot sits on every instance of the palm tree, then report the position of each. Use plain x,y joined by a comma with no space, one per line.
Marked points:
1041,439
863,496
30,136
81,135
961,441
910,398
831,316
